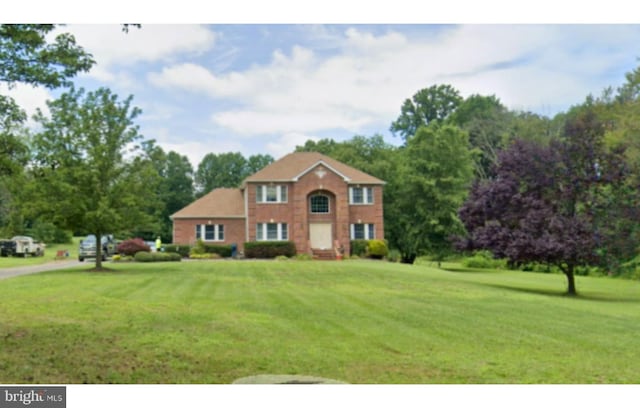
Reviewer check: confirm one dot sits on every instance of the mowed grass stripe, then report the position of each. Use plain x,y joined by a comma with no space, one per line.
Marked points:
361,322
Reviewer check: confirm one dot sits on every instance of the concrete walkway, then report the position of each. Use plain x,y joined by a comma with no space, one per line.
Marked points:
27,270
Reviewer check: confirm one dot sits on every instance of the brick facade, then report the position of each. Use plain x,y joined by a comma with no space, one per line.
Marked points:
319,178
184,231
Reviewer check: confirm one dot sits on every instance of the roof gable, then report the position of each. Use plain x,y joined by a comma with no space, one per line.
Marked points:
295,165
321,163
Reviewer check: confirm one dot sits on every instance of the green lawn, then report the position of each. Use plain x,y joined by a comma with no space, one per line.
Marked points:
49,255
355,321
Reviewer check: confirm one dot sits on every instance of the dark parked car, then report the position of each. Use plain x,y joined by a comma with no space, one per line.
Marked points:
88,247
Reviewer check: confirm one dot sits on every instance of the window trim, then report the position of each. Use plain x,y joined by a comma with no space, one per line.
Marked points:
369,230
316,196
282,193
218,232
367,196
262,231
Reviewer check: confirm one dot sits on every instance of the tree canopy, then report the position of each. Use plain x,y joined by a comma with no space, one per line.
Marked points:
431,183
28,57
433,104
549,204
88,156
227,170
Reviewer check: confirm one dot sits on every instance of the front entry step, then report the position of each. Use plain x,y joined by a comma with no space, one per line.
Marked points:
324,254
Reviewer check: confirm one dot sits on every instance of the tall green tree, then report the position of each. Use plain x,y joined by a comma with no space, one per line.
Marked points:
369,154
89,170
226,170
220,170
173,189
28,55
257,162
428,105
486,120
432,181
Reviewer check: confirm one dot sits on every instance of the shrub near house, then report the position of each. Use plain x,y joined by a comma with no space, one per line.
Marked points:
130,247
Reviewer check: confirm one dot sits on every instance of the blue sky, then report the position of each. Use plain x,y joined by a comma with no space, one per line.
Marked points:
265,88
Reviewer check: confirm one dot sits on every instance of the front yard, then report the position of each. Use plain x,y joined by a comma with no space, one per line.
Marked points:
355,321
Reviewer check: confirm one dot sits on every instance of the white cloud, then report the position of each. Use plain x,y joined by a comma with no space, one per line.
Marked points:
364,83
113,48
195,150
287,143
29,98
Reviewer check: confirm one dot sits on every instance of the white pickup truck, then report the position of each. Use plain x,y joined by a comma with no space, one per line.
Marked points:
21,246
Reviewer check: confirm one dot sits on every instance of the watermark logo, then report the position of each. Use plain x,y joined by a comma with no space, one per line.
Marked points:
36,397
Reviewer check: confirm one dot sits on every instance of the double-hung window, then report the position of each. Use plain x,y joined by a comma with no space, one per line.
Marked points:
210,232
360,195
271,194
363,231
272,232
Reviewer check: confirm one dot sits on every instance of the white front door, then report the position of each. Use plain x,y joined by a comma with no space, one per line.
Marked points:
320,236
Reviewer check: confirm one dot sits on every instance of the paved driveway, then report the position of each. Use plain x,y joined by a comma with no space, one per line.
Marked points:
26,270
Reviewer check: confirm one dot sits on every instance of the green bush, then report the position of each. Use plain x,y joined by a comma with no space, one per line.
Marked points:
269,249
223,250
157,257
183,250
201,248
198,249
359,247
204,256
484,260
48,233
122,258
281,258
377,249
538,267
394,256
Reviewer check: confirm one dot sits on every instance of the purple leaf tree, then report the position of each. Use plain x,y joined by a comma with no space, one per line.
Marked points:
550,204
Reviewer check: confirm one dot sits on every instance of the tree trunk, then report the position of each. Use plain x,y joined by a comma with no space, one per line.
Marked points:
98,251
571,281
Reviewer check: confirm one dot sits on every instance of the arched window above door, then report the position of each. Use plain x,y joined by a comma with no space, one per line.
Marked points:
319,204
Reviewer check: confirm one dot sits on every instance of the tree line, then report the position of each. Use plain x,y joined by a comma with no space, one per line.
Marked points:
469,174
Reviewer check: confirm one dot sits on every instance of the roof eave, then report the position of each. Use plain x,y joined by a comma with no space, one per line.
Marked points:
194,217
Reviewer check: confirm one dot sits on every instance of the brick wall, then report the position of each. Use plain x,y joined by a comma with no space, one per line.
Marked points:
295,212
184,231
369,213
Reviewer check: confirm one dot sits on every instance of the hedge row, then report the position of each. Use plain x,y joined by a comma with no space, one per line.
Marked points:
222,250
184,250
157,257
269,249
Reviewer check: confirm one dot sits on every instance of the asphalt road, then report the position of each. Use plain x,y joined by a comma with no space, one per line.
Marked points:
26,270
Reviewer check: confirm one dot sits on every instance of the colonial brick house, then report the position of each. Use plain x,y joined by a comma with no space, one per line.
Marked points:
313,200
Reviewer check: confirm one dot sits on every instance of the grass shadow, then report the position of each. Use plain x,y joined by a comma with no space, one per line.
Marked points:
461,269
563,294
